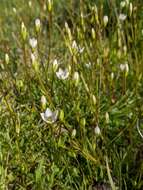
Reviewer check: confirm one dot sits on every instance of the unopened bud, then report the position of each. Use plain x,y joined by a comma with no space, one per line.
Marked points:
43,101
93,33
76,78
73,133
49,5
37,25
61,115
23,31
97,130
107,117
7,58
131,8
55,65
105,20
94,99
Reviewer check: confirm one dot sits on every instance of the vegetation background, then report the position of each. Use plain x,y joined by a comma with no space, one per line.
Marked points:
83,60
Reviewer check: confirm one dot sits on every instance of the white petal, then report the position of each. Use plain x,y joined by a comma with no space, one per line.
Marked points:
48,113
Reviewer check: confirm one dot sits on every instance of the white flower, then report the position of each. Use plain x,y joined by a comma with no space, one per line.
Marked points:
88,65
105,20
74,45
97,130
77,48
124,68
33,42
48,116
62,74
122,17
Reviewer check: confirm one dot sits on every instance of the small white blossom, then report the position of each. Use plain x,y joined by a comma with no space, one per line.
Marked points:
77,48
48,116
122,17
97,130
88,65
124,68
33,42
62,74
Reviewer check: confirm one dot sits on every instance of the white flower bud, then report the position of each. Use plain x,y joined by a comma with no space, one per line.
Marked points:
30,4
76,78
55,65
93,33
131,8
37,24
73,133
107,117
123,4
33,42
97,130
6,58
105,20
43,101
23,31
49,5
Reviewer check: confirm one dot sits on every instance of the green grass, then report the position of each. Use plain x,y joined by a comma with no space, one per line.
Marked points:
104,96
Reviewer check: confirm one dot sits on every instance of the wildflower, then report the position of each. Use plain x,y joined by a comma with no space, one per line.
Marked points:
73,133
131,8
124,68
77,48
88,65
76,78
93,33
14,10
33,42
107,117
49,117
49,5
122,17
97,130
94,99
123,4
105,20
37,24
43,101
6,58
34,61
62,74
55,65
33,58
23,31
112,76
30,4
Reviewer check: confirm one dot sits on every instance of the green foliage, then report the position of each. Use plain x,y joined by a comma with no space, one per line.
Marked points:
87,70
